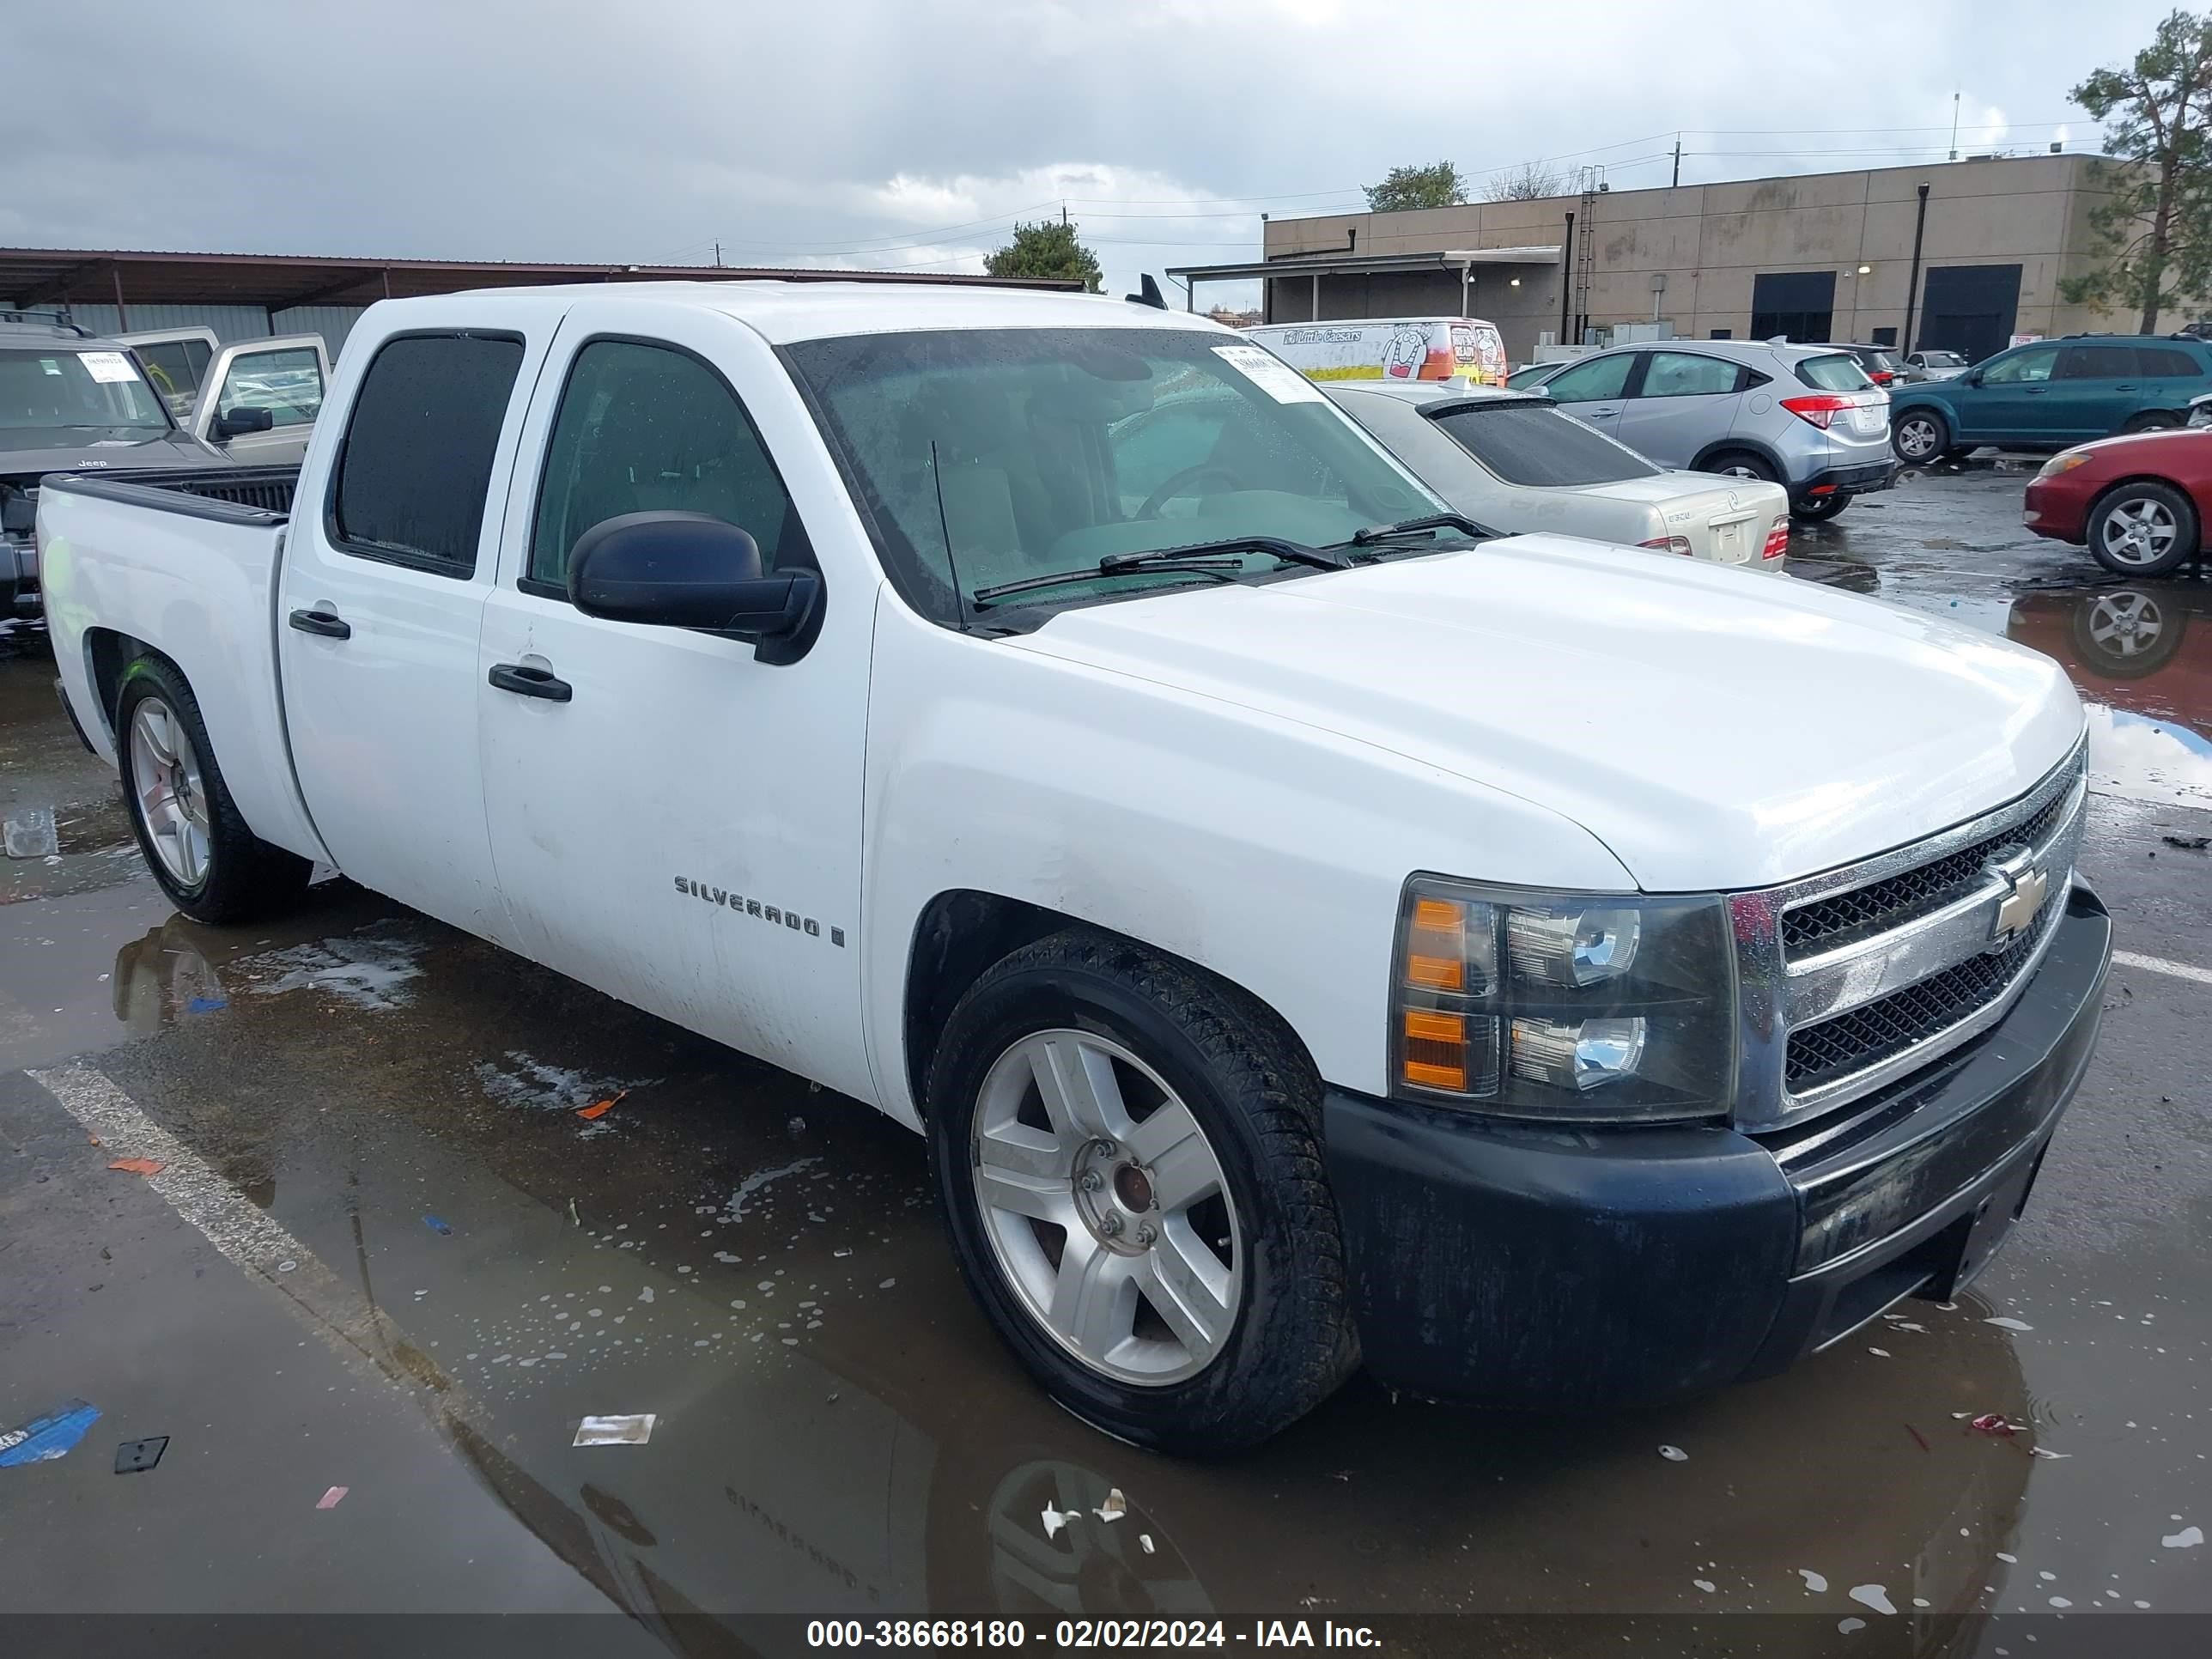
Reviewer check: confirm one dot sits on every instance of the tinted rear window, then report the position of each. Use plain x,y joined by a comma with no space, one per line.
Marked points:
1532,443
1839,372
2168,362
418,450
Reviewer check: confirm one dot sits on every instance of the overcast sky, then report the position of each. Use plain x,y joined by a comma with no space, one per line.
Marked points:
904,134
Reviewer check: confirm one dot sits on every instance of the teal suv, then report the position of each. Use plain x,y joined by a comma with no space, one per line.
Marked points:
2051,394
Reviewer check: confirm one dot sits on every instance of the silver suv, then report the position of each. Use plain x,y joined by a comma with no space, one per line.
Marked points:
1806,417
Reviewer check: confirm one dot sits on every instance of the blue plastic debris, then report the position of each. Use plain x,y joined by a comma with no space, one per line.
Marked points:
45,1438
436,1225
207,1005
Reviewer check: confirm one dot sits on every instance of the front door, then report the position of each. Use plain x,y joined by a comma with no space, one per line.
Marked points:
1594,389
2010,401
1687,400
673,820
383,600
284,378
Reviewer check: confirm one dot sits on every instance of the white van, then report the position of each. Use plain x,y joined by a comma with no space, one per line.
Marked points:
1464,349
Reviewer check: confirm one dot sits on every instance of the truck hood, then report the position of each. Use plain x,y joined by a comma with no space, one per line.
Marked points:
1715,731
27,455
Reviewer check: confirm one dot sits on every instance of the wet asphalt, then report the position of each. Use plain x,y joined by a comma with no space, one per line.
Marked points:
388,1255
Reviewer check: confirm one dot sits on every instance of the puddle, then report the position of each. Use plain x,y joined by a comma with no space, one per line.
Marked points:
2141,655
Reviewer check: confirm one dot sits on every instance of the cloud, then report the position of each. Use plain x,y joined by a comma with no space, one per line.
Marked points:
867,132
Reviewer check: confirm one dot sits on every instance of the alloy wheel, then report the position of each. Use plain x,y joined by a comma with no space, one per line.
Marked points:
2140,531
1917,437
165,772
1106,1207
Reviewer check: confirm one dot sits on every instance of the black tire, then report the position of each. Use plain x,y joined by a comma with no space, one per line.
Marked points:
1741,464
2155,420
1815,508
243,877
2152,500
1256,1098
1921,436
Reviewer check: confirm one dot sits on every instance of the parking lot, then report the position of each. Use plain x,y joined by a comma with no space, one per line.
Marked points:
468,1264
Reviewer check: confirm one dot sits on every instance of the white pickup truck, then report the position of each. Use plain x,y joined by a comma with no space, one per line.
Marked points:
1303,929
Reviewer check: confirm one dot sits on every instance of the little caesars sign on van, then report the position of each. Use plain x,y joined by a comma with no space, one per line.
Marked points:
1390,349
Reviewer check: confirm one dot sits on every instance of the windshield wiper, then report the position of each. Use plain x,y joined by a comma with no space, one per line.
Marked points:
1389,532
1206,558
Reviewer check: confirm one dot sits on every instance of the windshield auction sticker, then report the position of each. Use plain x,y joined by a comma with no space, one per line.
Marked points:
1270,373
109,367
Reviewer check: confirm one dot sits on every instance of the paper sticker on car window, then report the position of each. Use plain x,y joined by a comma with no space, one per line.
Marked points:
53,366
109,367
1270,373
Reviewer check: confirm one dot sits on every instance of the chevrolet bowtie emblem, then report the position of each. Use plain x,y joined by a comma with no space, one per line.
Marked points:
2026,888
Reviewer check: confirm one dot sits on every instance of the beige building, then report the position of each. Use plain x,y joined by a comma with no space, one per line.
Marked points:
1960,255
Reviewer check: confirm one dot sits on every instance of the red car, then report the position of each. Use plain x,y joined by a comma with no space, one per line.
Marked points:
2140,502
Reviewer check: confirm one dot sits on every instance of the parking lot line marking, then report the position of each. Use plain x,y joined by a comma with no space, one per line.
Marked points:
224,1216
2160,965
359,1332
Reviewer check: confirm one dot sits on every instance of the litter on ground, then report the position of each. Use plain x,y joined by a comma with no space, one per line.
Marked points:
443,1229
1113,1508
2187,1539
144,1166
614,1431
1145,1539
133,1456
1674,1454
332,1498
599,1109
1994,1423
44,1438
2007,1324
1056,1519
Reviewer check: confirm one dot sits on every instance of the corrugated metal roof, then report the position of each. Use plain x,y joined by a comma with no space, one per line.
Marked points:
31,276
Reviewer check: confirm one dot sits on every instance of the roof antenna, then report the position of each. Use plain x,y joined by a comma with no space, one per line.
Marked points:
959,590
1148,294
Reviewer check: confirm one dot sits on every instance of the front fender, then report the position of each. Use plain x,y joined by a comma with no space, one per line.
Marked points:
1266,851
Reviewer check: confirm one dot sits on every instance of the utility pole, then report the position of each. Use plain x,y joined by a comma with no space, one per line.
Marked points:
1678,158
1954,126
718,255
1063,215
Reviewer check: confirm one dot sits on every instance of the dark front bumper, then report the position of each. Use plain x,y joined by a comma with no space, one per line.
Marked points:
1848,481
19,578
1514,1265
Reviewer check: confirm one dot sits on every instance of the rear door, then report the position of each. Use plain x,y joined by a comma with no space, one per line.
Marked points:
2172,375
2095,391
1687,400
678,822
384,585
284,378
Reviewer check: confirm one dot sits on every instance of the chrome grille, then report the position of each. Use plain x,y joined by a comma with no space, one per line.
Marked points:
1849,980
1829,922
1876,1030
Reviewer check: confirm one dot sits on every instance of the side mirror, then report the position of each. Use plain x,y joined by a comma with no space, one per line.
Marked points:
1972,377
19,514
670,569
234,423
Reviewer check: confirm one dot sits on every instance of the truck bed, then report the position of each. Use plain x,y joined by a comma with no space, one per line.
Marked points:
184,563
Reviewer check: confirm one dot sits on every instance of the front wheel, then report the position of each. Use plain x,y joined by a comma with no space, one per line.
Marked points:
2144,529
1920,436
1814,509
1128,1157
212,866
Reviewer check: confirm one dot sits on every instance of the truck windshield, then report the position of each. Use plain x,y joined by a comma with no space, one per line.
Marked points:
55,388
985,456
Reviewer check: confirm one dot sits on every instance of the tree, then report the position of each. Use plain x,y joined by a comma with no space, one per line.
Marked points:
2157,225
1048,249
1438,184
1529,182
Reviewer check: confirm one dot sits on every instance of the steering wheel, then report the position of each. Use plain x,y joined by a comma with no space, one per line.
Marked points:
1180,484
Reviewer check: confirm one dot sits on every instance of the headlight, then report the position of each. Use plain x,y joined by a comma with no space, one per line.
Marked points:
1598,1007
2063,463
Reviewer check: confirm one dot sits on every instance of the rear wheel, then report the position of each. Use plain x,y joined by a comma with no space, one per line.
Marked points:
1920,436
1814,508
1128,1157
211,865
2144,529
2155,420
1742,463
